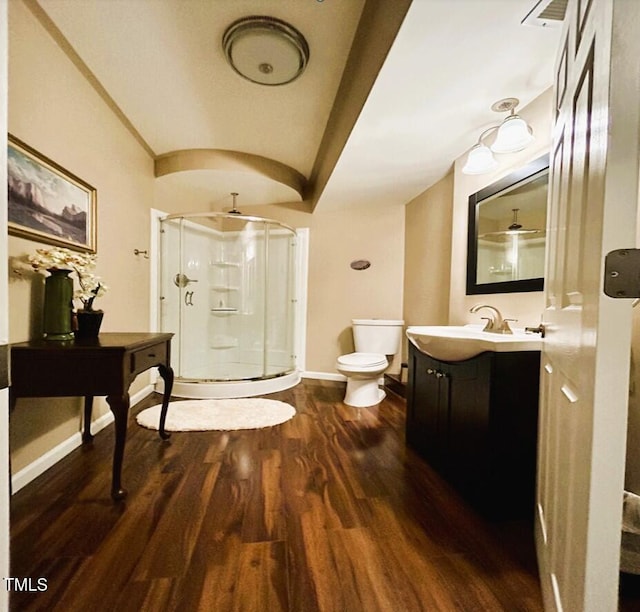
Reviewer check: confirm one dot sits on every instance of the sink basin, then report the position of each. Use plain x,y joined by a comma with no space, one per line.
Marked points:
457,343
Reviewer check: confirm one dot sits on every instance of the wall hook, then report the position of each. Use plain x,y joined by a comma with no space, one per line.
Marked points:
145,253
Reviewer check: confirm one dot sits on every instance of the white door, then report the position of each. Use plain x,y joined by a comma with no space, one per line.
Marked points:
585,364
4,318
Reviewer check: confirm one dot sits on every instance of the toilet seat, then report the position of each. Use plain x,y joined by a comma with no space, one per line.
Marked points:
362,362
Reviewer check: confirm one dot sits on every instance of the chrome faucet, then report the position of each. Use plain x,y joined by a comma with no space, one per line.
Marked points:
496,324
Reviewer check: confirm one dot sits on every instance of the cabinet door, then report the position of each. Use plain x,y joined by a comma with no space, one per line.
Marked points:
469,411
514,426
475,422
426,422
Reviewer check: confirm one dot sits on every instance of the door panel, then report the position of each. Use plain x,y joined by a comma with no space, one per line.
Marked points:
584,376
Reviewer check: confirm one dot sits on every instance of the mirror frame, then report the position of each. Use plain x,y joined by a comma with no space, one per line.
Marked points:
512,286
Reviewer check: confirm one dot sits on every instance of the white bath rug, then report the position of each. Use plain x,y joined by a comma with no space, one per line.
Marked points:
219,414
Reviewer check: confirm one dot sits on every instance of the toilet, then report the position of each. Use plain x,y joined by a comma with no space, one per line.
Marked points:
374,340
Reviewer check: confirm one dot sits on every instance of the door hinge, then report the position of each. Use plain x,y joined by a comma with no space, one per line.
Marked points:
622,273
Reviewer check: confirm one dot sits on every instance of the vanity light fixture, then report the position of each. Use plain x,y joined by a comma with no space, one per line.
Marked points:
513,135
265,50
480,159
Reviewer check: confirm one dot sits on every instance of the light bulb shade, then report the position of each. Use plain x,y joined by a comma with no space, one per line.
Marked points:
480,160
513,135
265,50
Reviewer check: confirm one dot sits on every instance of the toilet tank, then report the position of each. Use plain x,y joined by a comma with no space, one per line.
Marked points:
377,335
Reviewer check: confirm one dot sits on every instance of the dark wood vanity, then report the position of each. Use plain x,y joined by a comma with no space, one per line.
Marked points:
476,423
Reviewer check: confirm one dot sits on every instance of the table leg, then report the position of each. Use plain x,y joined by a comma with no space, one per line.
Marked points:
119,405
87,436
167,376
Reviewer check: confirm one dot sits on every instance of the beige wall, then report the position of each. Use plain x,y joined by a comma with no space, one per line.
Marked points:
427,257
54,109
525,307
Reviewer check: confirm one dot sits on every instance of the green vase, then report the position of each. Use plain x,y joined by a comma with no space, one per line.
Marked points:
58,305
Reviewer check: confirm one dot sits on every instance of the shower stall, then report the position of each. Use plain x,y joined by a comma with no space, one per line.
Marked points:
228,293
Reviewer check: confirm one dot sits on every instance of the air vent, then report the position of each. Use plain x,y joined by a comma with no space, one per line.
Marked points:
547,13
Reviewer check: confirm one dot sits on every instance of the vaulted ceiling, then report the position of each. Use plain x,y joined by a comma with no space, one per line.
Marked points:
392,94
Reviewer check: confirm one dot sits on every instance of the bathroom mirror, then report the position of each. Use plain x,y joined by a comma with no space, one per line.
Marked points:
507,232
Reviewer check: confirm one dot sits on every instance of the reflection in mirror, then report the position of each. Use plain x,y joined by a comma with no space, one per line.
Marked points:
507,232
507,249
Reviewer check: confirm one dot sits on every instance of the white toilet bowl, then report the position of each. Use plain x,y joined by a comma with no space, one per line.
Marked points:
363,371
374,340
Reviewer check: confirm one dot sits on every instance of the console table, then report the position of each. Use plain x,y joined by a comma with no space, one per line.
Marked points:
106,365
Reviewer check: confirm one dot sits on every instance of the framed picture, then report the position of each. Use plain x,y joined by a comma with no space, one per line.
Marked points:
47,203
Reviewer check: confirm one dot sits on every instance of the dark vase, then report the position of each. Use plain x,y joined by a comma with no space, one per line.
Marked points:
58,305
89,322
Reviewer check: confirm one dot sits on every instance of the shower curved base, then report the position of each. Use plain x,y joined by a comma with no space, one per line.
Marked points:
228,389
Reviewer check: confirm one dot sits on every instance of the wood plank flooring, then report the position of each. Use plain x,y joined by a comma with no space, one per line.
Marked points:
327,512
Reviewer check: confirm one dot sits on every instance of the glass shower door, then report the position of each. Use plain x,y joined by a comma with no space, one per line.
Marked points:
183,307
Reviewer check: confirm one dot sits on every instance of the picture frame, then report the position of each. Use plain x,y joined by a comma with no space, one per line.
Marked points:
47,203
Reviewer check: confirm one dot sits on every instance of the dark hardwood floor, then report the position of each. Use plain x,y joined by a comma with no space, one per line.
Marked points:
328,512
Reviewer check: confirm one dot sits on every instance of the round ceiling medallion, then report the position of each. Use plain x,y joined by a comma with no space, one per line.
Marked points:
265,50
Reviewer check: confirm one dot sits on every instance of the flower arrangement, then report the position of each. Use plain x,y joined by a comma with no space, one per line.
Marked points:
83,264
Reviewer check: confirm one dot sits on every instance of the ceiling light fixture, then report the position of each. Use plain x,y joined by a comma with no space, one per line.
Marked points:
265,50
234,210
513,135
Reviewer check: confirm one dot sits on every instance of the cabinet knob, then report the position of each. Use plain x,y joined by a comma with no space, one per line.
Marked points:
439,374
430,371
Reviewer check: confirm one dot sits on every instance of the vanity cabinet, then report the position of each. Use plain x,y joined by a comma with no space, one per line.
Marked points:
476,423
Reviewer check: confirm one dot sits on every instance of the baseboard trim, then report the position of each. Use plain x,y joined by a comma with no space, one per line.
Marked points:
30,472
323,376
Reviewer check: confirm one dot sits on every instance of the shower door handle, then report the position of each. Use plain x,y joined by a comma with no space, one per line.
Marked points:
182,280
188,298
